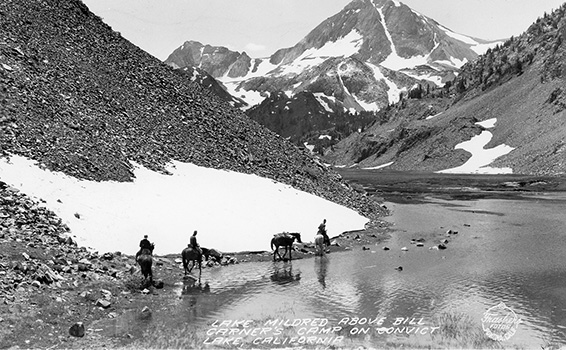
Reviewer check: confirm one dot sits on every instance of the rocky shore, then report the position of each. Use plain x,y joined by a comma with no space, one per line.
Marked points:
52,291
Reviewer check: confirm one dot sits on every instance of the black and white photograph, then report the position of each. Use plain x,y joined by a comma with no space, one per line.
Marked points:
282,174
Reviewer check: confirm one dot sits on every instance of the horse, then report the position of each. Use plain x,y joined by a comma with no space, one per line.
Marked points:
190,254
145,260
286,240
212,254
319,243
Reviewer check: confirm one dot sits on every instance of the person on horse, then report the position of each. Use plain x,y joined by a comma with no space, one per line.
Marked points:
193,242
322,231
145,244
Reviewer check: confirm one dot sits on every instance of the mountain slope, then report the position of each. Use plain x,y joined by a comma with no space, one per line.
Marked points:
361,59
80,99
520,85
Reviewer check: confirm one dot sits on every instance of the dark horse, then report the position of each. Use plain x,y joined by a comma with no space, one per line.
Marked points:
286,240
145,260
190,254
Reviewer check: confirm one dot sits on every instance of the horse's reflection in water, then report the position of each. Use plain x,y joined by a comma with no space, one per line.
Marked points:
192,287
321,268
284,274
192,299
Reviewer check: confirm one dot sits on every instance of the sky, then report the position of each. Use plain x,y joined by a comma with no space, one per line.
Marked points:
260,27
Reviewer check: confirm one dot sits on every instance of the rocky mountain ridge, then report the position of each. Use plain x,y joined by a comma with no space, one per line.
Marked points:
519,84
80,99
360,59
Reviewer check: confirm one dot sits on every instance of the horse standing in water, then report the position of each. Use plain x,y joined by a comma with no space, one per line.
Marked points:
190,254
319,243
286,240
145,260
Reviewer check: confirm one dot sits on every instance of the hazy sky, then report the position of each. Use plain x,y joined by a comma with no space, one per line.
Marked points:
260,27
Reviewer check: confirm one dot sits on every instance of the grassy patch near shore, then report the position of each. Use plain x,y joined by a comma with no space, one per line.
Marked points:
457,331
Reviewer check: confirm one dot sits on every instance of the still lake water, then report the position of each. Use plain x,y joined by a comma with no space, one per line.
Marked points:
508,249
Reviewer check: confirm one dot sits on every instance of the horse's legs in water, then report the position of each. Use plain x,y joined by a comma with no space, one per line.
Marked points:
277,252
185,263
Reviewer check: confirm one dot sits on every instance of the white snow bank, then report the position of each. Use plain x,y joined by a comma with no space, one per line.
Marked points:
379,166
481,157
231,211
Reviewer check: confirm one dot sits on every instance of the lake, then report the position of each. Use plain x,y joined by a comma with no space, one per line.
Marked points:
503,269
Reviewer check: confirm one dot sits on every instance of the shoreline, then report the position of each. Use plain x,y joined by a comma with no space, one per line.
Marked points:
49,285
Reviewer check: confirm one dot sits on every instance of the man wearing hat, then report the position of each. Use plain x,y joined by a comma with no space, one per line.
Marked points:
144,243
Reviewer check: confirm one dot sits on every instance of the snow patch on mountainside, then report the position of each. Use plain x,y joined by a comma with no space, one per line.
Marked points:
481,157
476,46
320,98
394,61
394,92
343,47
231,211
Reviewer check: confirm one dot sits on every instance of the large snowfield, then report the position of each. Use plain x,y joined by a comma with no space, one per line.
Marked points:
231,211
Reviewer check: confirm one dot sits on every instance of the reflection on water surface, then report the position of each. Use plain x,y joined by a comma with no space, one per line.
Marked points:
509,251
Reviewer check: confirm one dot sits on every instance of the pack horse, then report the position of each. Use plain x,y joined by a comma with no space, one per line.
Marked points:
286,240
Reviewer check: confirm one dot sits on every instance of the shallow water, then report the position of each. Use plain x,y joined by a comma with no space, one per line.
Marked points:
509,251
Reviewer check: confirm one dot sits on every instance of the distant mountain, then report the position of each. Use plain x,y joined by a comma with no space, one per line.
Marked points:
518,87
80,99
360,59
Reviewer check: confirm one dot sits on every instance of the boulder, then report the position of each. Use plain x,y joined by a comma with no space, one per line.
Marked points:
77,330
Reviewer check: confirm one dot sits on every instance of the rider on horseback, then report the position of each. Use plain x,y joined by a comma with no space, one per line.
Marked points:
322,231
144,244
193,243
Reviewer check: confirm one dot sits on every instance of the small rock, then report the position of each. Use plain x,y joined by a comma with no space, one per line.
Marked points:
105,304
25,256
106,293
82,267
441,246
107,256
385,248
36,284
365,248
77,330
145,313
404,249
399,268
145,291
420,244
